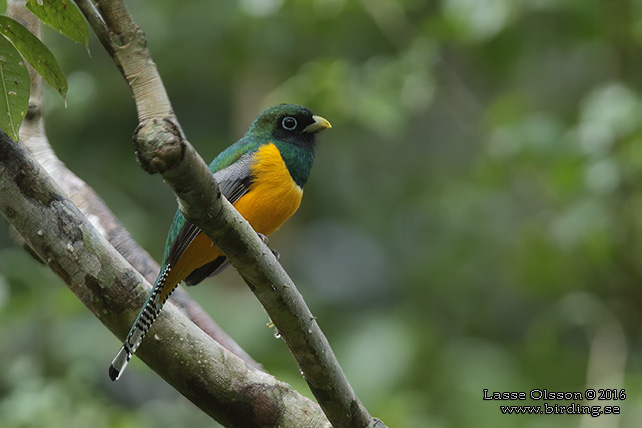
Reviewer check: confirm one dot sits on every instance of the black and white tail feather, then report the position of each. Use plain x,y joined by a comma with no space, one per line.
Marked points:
144,321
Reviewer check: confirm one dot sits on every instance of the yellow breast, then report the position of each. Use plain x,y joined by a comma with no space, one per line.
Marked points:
273,196
271,199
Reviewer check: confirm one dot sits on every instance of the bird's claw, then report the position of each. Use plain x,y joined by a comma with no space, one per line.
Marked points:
266,241
263,238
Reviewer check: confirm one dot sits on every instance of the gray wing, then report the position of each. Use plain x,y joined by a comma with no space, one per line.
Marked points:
234,182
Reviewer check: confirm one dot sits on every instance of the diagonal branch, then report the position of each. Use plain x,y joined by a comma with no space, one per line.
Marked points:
161,147
32,135
218,382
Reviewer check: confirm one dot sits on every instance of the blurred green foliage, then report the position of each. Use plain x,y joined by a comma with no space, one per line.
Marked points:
473,219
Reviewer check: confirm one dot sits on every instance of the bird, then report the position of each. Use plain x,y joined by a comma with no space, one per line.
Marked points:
262,175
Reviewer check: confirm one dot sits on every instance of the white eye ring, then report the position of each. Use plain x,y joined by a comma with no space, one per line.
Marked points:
289,123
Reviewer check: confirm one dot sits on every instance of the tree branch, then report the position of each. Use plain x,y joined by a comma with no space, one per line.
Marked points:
161,147
218,382
33,136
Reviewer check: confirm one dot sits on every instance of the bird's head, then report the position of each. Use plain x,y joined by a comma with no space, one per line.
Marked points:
289,123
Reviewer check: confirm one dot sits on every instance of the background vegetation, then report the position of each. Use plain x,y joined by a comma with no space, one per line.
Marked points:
473,219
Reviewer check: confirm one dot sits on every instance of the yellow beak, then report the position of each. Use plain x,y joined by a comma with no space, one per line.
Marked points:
319,125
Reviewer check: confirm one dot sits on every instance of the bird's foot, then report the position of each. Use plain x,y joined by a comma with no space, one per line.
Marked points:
263,238
266,241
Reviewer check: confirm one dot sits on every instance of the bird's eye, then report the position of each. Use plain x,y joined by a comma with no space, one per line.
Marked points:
289,123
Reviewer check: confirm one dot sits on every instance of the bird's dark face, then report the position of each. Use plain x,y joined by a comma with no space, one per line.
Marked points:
289,123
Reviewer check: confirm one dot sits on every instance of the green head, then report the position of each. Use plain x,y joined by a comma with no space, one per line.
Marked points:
288,123
292,128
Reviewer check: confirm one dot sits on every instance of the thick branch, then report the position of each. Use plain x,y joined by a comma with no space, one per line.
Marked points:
161,147
218,382
32,135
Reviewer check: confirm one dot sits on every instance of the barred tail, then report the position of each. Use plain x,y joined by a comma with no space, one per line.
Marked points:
143,322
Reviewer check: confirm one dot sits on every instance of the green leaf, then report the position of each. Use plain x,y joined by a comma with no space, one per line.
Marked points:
34,51
63,16
3,6
14,89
